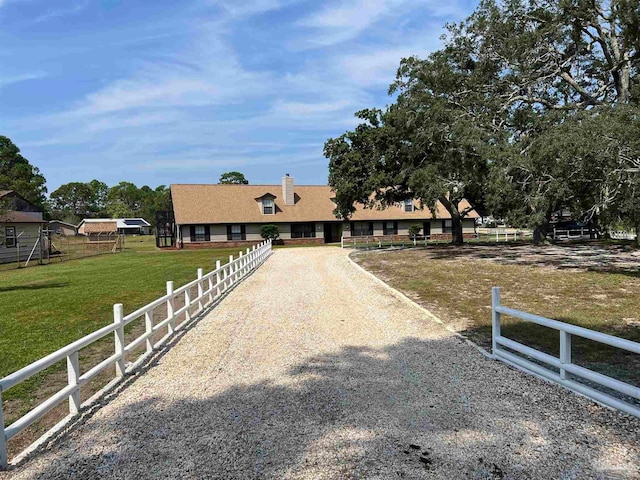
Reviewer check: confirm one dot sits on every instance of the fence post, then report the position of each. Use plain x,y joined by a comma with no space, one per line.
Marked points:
565,352
170,308
230,270
241,264
219,290
4,460
73,374
148,327
118,335
200,289
187,303
210,283
495,318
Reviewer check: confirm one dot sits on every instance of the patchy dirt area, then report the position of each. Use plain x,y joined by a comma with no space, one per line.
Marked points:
592,285
585,257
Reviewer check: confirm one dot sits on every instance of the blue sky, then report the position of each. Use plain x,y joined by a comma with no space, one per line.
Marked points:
167,91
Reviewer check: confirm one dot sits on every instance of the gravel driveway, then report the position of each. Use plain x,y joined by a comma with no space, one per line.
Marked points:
312,369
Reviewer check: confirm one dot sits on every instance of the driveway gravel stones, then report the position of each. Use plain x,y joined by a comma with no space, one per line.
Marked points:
310,369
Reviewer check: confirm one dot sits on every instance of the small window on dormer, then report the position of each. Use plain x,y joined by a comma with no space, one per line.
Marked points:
408,205
267,206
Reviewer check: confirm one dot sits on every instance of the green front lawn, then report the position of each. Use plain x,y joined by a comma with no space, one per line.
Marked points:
47,307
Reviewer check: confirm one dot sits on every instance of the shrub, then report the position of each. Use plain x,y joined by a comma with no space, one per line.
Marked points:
269,232
414,230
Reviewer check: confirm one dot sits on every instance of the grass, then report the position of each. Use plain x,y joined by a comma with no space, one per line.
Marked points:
47,307
458,290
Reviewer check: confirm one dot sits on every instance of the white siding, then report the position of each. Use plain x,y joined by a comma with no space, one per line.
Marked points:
28,234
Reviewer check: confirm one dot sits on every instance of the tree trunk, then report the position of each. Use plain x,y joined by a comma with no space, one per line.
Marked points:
540,235
637,242
456,220
456,230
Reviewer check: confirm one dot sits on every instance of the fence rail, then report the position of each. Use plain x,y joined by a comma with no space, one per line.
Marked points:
622,235
380,241
572,233
563,363
209,287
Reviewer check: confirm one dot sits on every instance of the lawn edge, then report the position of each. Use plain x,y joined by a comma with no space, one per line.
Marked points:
401,296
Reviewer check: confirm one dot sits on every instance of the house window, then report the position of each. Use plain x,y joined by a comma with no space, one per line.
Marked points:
446,226
267,206
390,228
362,229
236,232
303,230
408,205
199,233
10,237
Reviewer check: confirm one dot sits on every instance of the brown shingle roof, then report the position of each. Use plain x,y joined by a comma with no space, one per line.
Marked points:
211,204
100,227
12,216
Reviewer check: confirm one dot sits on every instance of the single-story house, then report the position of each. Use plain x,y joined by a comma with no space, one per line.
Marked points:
126,226
231,215
21,229
63,228
98,229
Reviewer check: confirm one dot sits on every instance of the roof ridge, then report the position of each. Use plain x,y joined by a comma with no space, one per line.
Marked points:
240,185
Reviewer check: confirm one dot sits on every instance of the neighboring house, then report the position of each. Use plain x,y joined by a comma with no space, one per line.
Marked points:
21,229
98,229
62,228
228,214
126,226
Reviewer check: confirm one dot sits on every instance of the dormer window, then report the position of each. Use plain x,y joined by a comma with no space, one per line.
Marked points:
267,206
408,205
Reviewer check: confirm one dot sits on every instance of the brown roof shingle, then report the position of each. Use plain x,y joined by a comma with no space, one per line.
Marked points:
211,204
100,227
12,216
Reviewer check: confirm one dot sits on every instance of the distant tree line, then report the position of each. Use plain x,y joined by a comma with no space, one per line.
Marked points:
530,107
74,201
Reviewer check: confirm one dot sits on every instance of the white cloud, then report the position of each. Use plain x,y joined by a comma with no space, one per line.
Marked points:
342,21
305,109
207,74
238,8
8,80
377,67
335,24
77,7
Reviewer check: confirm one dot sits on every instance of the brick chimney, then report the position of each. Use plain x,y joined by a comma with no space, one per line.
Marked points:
287,190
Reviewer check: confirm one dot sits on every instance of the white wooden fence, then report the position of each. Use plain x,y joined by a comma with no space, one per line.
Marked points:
571,233
564,365
210,287
621,235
